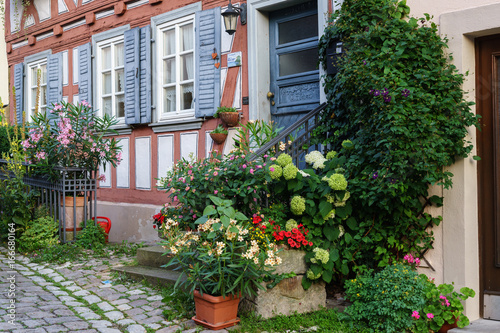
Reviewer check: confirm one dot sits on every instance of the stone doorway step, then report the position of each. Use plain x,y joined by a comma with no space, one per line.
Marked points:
479,326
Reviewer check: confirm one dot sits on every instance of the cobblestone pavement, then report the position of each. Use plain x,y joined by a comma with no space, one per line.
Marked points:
74,297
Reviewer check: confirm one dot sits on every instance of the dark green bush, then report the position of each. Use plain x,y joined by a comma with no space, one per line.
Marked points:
92,237
401,103
39,233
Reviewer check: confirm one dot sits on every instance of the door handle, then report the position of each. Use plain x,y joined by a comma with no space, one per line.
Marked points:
270,95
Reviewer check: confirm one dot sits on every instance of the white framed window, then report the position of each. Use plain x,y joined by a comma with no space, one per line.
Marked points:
37,70
110,78
176,70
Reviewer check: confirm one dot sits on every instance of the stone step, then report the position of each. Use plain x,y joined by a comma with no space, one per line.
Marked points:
153,256
479,326
154,275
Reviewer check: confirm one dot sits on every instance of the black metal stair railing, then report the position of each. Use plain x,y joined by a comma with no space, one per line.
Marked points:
285,142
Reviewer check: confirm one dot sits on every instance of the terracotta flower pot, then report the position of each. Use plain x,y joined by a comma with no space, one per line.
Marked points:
216,312
230,118
446,327
218,137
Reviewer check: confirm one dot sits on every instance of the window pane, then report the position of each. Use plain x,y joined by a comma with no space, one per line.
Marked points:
33,76
169,42
119,55
119,77
43,96
43,78
106,106
301,28
187,68
187,91
106,57
186,37
169,99
33,98
298,62
169,71
106,83
120,106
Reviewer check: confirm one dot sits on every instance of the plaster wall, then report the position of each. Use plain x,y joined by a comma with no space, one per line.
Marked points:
461,22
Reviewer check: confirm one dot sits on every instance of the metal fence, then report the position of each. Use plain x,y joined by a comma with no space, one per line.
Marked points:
295,138
70,200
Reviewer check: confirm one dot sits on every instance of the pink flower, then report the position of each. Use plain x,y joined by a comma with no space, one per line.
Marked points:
215,192
252,171
271,169
430,315
175,198
215,173
415,315
244,166
102,178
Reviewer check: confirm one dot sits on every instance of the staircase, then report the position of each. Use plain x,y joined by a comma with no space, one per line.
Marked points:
150,259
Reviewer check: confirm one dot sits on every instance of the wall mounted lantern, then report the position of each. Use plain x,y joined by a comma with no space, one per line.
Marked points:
231,17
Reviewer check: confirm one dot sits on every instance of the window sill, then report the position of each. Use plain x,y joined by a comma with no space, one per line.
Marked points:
177,125
121,129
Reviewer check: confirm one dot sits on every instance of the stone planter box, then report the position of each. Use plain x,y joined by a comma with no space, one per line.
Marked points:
288,296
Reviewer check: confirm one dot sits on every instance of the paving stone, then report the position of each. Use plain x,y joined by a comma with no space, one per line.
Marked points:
153,326
124,307
139,302
100,323
105,306
114,315
46,271
67,298
63,312
59,320
134,312
109,330
40,314
148,308
33,330
136,329
92,299
81,309
58,278
55,328
81,293
171,329
134,297
120,301
139,317
74,303
155,298
152,320
59,293
74,288
90,315
76,325
33,323
135,292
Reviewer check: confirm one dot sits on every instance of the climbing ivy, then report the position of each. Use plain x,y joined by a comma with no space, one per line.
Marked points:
400,101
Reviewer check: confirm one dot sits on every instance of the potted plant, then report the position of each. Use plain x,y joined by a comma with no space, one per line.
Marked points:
220,263
230,116
219,134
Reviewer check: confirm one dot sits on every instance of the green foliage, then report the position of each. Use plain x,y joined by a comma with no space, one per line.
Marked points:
400,103
322,321
221,109
92,237
39,233
220,259
5,132
220,129
384,301
59,254
254,134
230,177
180,303
444,304
322,207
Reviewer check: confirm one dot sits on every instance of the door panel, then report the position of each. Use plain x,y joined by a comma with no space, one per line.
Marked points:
293,39
488,145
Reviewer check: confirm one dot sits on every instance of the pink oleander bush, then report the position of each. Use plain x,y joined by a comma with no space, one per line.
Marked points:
70,136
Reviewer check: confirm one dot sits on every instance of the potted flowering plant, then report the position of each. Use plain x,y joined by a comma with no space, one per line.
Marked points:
70,136
230,116
219,134
219,263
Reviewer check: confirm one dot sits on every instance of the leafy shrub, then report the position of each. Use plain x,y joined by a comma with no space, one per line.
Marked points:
400,102
92,237
39,233
59,253
5,132
384,301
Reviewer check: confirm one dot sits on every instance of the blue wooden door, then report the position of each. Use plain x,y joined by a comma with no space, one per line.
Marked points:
293,38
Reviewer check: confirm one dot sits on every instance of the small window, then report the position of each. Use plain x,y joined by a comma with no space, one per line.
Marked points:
37,77
176,68
110,78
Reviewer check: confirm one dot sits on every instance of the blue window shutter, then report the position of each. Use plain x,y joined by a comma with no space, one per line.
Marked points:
19,85
85,73
145,74
132,96
207,86
54,79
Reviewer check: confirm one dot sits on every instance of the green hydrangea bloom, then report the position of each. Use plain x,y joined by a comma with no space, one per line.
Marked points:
341,202
347,144
311,276
291,224
298,205
290,171
284,159
336,181
321,255
276,171
330,215
331,154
